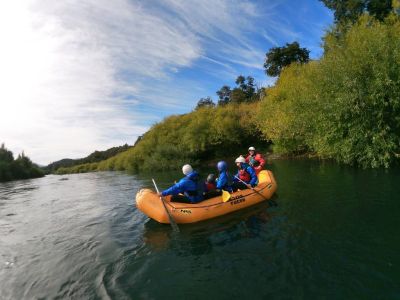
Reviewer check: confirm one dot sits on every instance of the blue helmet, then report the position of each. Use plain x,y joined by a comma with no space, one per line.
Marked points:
222,166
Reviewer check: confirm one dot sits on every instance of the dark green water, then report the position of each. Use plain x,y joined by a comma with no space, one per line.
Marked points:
334,234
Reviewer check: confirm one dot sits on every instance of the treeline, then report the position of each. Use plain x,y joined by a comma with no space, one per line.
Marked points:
19,168
205,133
96,156
245,91
344,106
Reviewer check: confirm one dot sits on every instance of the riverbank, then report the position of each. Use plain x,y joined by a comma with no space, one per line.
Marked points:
20,168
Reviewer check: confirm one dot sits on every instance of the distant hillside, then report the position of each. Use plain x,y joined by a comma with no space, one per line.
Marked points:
96,156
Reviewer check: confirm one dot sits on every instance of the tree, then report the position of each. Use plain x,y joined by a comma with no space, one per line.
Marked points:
379,8
5,155
245,90
205,102
238,96
350,10
20,168
241,82
224,95
279,57
250,88
396,6
345,106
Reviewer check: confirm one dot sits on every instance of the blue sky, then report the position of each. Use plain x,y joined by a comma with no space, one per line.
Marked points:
87,75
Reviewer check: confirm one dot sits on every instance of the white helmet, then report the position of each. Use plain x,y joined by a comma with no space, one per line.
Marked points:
252,148
240,159
187,169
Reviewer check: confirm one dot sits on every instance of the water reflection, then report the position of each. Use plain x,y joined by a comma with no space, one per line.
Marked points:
199,238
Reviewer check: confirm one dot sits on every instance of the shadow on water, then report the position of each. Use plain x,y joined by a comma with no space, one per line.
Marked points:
164,251
199,238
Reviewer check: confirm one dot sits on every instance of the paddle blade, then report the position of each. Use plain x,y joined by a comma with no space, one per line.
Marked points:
225,196
263,176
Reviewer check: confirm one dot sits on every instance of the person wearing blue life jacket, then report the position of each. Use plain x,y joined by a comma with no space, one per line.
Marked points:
246,174
188,189
225,180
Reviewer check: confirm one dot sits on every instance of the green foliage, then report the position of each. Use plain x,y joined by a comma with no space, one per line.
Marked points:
287,113
360,83
350,10
205,102
6,155
203,134
224,95
96,156
396,6
238,96
279,57
20,168
347,106
245,91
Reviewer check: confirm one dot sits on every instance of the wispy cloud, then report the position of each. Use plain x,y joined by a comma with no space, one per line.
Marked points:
81,75
64,62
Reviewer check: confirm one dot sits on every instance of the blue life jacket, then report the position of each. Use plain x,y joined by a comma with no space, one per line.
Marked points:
225,181
190,186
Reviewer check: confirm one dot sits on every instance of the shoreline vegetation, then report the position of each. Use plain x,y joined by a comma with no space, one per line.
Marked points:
344,107
20,168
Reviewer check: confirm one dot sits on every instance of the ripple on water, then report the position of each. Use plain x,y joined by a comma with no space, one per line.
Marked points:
83,238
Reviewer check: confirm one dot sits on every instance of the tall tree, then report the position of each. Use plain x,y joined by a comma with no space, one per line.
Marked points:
379,8
245,90
241,82
349,10
250,87
279,57
205,102
5,155
238,96
224,95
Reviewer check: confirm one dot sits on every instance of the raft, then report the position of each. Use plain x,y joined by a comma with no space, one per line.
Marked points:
151,205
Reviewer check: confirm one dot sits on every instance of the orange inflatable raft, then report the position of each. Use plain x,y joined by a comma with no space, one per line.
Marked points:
151,205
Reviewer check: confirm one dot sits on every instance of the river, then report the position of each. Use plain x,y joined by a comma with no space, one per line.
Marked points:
333,232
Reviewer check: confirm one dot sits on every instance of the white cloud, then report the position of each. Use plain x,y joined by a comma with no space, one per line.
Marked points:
80,75
63,62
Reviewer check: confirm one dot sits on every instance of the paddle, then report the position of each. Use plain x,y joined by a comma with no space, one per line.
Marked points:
171,219
251,187
225,196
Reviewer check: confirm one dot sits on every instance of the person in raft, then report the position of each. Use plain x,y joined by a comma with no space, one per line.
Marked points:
255,160
225,179
210,187
246,174
210,184
190,186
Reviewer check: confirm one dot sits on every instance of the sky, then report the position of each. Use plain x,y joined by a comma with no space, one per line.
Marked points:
83,75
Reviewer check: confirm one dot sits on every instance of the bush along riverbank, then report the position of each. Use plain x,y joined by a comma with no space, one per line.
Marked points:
19,168
346,106
202,135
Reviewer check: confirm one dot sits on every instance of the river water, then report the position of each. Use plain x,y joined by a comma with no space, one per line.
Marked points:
332,232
